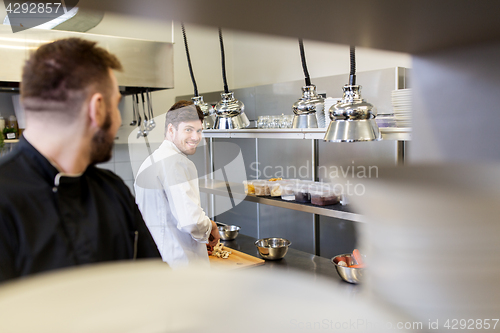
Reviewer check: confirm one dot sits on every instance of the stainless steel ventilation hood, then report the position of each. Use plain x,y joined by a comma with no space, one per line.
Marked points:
146,64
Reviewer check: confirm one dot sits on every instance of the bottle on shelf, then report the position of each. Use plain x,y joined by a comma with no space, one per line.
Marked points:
2,123
12,132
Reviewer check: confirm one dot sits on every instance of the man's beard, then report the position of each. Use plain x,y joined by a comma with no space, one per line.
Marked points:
102,143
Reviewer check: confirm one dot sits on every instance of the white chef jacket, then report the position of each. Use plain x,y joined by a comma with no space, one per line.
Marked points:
168,195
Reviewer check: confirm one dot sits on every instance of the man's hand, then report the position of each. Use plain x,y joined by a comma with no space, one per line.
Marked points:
214,237
210,249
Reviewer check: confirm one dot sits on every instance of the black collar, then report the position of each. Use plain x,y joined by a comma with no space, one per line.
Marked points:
38,162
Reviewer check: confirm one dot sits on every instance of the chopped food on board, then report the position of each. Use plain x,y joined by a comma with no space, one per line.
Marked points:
219,252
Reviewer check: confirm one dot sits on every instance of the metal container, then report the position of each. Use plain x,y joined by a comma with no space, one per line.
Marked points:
228,232
272,248
348,274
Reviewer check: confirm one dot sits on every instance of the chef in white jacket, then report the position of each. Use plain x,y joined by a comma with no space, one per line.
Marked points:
167,192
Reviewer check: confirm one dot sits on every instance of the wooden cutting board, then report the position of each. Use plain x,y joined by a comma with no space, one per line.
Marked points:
236,260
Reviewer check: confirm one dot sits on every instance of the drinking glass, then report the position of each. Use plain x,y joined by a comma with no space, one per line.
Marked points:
283,121
272,122
260,122
288,121
265,122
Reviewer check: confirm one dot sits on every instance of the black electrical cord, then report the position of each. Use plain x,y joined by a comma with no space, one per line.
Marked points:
352,76
189,61
226,89
304,64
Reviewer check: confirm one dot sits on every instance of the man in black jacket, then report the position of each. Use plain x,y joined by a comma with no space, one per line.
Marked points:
56,208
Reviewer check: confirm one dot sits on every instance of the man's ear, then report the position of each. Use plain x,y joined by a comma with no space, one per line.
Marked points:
170,129
97,110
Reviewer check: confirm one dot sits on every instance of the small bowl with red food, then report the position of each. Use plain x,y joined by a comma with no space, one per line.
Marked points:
350,266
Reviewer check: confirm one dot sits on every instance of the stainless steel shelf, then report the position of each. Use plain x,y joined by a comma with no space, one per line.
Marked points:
398,134
236,191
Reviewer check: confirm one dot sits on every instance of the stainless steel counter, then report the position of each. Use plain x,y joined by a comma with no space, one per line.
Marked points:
295,261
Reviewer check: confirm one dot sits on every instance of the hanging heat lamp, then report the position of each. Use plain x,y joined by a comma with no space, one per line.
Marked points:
352,118
207,109
308,110
229,111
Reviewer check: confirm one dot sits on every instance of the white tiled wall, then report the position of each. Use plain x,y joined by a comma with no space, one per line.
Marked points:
121,165
130,151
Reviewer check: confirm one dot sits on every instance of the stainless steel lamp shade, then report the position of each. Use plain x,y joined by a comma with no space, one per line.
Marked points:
208,112
308,110
353,131
230,113
352,119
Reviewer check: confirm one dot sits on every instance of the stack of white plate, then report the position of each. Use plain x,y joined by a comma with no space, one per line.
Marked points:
385,120
401,104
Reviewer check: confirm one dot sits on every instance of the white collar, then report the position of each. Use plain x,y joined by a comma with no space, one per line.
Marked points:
172,145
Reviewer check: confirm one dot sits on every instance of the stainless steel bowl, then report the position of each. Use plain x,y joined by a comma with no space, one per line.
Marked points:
228,232
348,274
272,248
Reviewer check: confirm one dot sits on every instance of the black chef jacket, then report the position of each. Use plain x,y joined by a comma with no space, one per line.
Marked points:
49,221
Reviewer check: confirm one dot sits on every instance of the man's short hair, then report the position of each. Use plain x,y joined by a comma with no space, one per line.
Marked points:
60,76
175,115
